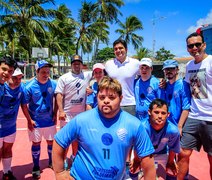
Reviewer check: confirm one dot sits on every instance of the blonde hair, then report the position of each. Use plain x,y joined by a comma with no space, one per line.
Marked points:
111,84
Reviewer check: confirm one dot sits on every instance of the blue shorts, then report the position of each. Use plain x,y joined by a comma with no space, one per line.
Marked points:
197,133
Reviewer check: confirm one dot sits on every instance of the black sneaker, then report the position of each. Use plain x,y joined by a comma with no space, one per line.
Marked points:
9,176
36,173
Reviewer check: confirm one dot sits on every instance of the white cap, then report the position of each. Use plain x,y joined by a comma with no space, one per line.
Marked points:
98,66
146,61
17,72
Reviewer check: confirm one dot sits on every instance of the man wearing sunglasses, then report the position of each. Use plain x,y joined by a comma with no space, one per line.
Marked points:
197,131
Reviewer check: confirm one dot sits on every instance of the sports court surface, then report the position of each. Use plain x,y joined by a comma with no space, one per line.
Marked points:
22,161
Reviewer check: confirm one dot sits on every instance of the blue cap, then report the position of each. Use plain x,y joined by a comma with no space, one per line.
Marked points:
170,63
42,63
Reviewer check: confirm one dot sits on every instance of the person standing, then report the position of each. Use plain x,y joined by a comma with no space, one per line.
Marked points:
197,131
124,69
71,94
98,73
41,113
146,89
165,137
177,94
105,137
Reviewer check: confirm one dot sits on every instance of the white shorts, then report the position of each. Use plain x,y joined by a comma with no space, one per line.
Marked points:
8,139
47,133
68,118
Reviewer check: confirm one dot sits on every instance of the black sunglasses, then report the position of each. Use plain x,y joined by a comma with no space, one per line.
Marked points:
191,46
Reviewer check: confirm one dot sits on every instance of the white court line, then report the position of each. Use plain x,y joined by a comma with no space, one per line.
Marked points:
24,129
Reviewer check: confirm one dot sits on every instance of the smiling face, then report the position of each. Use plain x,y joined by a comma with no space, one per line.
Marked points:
15,81
158,116
98,74
196,48
76,67
120,52
43,74
145,72
5,72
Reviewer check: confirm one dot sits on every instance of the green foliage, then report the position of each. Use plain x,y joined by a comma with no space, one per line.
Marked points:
162,54
142,52
105,54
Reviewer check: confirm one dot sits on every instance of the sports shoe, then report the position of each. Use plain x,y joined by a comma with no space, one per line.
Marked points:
36,173
9,176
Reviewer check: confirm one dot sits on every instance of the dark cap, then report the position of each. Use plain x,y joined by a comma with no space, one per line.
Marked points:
76,58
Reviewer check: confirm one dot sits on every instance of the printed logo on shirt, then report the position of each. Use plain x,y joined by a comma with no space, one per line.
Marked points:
107,139
77,101
105,173
121,133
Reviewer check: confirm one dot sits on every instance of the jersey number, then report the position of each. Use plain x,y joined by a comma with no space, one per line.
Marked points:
106,153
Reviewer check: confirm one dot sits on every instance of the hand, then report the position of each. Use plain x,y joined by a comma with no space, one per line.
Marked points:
172,169
89,91
162,83
62,115
64,175
135,165
31,124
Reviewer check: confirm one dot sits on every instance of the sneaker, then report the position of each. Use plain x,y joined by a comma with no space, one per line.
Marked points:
9,176
36,173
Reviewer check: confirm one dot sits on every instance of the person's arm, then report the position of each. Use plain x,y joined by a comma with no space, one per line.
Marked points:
59,100
55,111
171,166
148,167
30,122
58,154
183,118
88,107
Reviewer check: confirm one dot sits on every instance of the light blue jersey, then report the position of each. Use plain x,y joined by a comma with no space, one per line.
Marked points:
145,93
103,143
40,99
165,140
9,107
92,98
178,97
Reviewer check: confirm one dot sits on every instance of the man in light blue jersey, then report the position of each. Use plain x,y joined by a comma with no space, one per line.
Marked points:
13,97
165,138
41,112
105,135
177,94
146,89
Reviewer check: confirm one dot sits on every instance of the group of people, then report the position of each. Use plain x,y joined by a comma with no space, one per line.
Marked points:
133,121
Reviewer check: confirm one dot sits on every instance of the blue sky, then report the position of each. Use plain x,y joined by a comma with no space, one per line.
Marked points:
174,21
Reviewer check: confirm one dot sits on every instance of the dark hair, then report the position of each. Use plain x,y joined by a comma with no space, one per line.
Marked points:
123,42
9,61
195,34
159,103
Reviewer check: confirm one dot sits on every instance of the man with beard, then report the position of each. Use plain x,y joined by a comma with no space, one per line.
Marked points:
197,131
105,135
177,94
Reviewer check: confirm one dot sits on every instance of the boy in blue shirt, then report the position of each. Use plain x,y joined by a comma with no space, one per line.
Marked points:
105,135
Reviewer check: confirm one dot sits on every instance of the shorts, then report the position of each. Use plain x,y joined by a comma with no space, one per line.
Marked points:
160,159
8,139
197,133
130,109
47,133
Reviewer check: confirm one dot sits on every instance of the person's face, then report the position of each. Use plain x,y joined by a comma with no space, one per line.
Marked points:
145,72
5,72
108,102
158,116
196,48
120,52
170,73
15,81
76,67
98,74
43,74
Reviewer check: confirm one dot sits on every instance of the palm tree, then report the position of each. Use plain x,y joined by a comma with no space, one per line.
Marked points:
143,52
26,21
88,27
128,31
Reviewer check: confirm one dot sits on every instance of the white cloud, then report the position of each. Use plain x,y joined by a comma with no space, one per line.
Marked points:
200,22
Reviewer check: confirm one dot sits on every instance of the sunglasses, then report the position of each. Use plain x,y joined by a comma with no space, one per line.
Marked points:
191,46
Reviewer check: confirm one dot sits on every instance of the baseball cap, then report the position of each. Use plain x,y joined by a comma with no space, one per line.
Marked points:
42,63
146,61
98,66
17,72
76,58
170,63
